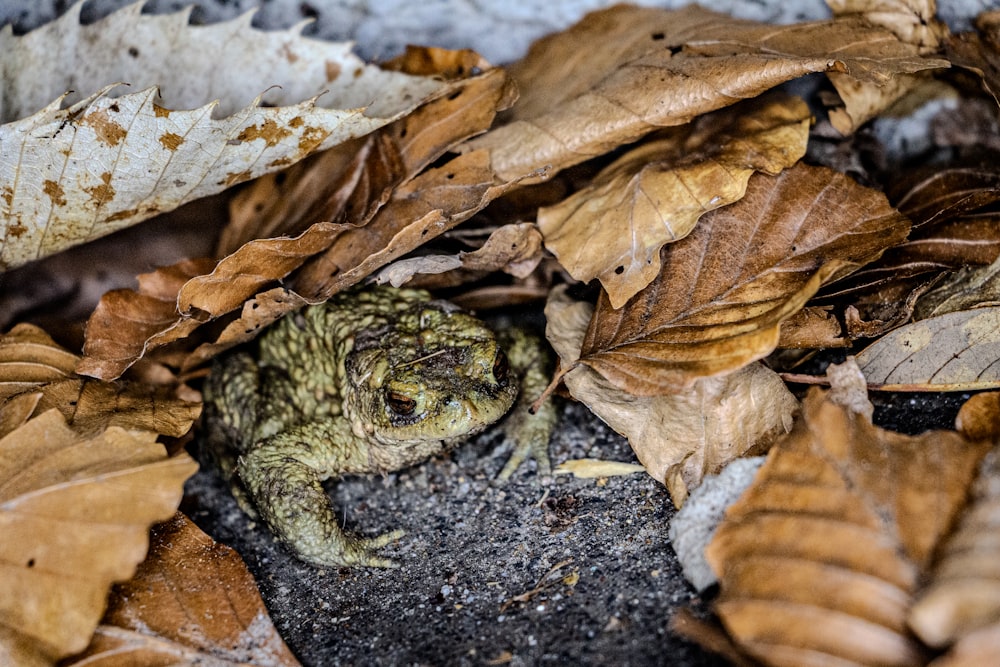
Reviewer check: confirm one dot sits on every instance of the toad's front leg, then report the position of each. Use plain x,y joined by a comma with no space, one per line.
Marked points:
283,475
529,433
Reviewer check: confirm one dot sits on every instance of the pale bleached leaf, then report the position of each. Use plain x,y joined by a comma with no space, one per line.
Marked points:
102,163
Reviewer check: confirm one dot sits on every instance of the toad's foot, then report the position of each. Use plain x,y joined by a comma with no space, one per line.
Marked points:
281,475
528,433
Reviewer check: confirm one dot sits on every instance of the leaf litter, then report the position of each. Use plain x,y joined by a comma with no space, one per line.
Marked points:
645,147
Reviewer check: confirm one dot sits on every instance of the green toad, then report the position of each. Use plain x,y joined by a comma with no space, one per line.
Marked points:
372,381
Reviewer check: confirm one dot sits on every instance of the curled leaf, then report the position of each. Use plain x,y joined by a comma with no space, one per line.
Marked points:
645,68
34,367
515,249
613,228
75,514
680,437
724,291
820,559
192,600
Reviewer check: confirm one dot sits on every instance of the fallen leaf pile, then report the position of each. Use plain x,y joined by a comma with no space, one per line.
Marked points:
827,555
693,226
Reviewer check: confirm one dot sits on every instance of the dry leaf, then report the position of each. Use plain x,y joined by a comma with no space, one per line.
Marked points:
348,184
75,514
979,52
953,352
126,324
979,417
724,291
913,22
594,468
192,601
613,228
32,364
954,225
679,438
645,68
429,205
964,595
980,647
965,289
813,327
820,559
107,162
515,249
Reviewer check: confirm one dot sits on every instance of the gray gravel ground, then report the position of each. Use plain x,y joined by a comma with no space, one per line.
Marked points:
539,571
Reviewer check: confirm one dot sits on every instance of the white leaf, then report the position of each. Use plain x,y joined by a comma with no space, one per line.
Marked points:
72,174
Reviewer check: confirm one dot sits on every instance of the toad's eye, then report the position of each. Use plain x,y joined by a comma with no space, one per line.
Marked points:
501,368
401,404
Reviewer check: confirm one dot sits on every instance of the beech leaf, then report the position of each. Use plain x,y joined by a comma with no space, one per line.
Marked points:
613,228
646,68
965,594
951,352
33,365
820,559
104,162
682,437
723,292
75,514
192,601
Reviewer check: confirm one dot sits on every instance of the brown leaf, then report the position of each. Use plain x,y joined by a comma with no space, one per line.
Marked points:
75,515
348,184
33,365
126,324
191,601
429,205
965,289
964,595
647,68
724,291
955,224
979,417
515,249
813,327
819,560
953,352
979,52
862,100
980,647
422,209
913,22
613,229
680,437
